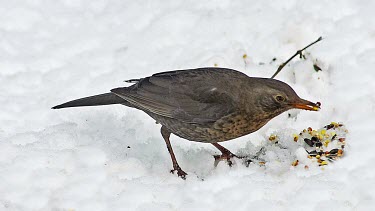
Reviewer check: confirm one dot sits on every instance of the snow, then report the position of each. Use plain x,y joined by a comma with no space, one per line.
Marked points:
114,158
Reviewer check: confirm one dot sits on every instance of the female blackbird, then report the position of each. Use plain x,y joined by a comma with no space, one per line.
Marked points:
208,105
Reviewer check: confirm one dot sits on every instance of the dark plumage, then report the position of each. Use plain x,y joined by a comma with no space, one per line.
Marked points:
207,105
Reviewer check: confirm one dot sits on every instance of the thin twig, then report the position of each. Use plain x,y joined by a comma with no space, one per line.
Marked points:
299,52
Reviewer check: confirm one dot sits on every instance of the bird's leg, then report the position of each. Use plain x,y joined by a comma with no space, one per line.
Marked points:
166,134
225,155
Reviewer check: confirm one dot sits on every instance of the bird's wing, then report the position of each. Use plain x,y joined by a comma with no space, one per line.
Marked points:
194,96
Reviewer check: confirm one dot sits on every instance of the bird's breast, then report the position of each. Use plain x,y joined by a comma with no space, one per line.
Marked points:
226,128
237,125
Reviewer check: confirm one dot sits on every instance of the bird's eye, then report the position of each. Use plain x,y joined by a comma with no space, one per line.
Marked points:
280,98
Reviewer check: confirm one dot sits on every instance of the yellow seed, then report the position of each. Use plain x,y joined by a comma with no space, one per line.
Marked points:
319,136
324,163
244,56
326,142
317,156
295,138
315,108
323,132
215,65
335,124
272,137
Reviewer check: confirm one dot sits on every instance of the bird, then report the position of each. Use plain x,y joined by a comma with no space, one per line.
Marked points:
207,105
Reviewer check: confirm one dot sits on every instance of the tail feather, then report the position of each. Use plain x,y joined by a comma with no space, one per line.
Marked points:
96,100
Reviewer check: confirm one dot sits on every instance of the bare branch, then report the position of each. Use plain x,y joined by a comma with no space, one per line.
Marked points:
299,52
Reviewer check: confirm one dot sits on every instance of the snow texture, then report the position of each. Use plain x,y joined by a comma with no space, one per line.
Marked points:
114,158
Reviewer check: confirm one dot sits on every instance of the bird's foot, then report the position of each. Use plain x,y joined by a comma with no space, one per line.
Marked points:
227,157
180,172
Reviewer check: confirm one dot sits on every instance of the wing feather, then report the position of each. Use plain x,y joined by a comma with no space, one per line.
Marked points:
192,96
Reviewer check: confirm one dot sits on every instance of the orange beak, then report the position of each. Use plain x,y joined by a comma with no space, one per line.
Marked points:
306,105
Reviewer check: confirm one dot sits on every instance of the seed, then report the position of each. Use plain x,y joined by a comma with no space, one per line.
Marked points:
317,68
272,137
323,163
340,153
320,136
295,138
330,126
334,151
333,137
314,139
313,153
295,163
309,142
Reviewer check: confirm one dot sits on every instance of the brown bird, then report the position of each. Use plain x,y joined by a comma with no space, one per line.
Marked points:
207,105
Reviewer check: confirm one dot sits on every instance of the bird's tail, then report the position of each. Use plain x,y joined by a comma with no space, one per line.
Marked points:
96,100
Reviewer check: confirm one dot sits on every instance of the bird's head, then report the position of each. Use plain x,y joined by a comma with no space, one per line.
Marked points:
275,97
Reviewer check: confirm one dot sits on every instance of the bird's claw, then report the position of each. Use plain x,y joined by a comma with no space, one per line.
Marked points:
180,172
226,157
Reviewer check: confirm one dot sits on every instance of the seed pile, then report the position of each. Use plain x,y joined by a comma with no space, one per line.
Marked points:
308,149
324,145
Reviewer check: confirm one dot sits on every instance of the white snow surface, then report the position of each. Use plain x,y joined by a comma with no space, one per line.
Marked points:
114,158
